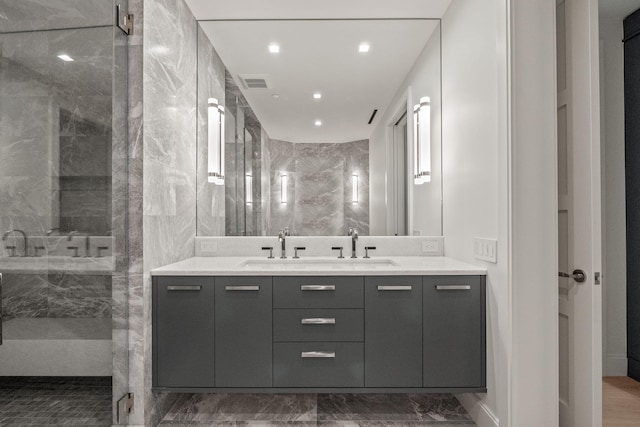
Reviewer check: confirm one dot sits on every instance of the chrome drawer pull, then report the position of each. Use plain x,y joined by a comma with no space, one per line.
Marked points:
318,287
318,355
394,288
185,288
319,321
242,288
453,287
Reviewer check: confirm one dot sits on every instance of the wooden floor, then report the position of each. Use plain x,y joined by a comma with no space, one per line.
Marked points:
621,402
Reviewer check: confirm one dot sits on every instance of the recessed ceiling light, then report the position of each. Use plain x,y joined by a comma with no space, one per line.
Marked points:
317,95
275,95
65,57
363,48
274,48
318,123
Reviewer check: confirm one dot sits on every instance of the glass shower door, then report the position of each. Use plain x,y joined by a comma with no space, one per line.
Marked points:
63,187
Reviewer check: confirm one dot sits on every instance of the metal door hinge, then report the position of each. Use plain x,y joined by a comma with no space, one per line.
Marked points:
596,276
125,407
124,20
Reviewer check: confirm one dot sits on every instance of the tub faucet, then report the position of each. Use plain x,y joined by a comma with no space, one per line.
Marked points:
25,239
354,237
86,240
282,238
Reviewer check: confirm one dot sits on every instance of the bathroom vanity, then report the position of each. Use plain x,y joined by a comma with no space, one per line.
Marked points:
399,324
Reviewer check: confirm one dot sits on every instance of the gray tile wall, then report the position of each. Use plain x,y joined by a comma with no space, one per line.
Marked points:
319,188
169,171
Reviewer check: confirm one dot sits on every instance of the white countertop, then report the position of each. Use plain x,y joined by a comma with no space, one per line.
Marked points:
319,266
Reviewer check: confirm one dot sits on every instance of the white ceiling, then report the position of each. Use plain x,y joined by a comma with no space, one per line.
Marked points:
317,9
320,56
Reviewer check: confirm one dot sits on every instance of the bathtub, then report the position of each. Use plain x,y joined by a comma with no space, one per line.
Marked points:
56,347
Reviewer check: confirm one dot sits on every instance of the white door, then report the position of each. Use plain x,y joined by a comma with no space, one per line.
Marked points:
579,232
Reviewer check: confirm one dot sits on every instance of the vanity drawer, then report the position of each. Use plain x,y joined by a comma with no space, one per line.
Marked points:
318,325
326,364
318,292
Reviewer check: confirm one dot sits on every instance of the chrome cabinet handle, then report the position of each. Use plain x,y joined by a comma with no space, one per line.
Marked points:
319,321
185,288
453,287
242,288
318,287
318,355
394,288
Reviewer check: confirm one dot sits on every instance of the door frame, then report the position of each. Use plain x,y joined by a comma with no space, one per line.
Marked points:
404,104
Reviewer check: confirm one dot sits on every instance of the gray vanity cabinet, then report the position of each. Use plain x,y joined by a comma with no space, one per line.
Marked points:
322,334
454,331
183,328
393,331
243,331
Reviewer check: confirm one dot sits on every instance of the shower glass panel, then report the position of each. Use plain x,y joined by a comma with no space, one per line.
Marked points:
63,195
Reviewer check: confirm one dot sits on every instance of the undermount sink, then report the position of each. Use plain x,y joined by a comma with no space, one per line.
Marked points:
322,263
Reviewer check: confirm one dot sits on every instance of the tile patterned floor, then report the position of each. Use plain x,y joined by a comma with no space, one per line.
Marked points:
55,401
328,410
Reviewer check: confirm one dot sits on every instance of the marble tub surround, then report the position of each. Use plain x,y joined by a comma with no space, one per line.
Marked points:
319,246
58,295
345,410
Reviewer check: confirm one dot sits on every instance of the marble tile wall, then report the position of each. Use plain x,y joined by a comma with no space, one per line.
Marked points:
320,187
169,171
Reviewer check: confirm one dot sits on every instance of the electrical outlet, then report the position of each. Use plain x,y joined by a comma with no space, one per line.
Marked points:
431,247
209,246
486,249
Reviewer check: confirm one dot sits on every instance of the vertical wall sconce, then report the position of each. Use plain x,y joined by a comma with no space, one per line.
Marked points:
215,142
422,141
354,188
249,188
283,188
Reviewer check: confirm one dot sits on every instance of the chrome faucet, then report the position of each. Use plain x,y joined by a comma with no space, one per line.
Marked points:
354,237
86,241
25,239
281,238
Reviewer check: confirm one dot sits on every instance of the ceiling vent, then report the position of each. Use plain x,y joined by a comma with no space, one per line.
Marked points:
255,81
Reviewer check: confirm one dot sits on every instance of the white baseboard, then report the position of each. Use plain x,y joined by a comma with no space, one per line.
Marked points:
616,365
480,412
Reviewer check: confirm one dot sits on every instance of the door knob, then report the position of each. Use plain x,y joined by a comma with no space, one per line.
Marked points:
579,276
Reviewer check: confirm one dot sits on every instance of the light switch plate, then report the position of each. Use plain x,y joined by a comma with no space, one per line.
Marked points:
486,249
431,247
209,246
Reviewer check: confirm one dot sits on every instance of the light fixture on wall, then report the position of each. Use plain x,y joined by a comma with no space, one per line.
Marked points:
283,188
354,188
422,141
249,188
216,141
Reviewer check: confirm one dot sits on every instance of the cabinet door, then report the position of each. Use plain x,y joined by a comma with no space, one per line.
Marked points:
393,331
454,331
243,332
183,329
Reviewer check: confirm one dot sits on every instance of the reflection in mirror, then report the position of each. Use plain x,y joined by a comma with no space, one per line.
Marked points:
318,138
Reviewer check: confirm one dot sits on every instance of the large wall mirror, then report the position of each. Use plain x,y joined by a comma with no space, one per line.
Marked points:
319,126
